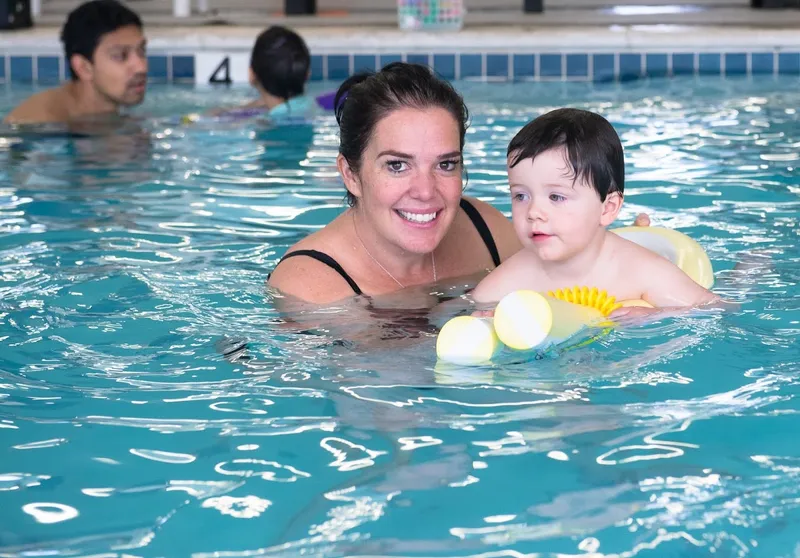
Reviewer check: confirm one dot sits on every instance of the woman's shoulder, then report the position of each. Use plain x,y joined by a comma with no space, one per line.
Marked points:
310,280
308,269
499,225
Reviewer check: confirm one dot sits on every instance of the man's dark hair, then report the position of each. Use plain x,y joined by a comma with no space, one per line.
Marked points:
87,24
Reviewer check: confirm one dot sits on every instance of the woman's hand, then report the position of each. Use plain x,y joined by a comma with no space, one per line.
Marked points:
642,220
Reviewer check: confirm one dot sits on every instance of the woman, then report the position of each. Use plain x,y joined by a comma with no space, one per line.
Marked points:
402,135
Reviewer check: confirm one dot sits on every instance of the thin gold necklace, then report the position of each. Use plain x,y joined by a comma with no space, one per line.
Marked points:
433,258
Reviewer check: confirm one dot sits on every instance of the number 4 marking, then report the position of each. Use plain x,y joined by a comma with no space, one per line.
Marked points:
225,69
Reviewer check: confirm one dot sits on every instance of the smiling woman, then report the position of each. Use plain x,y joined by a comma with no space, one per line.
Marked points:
400,156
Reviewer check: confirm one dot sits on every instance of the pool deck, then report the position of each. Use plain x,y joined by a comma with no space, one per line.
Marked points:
500,38
383,13
493,44
565,25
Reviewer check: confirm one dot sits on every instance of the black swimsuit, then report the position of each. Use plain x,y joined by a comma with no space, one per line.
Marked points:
469,209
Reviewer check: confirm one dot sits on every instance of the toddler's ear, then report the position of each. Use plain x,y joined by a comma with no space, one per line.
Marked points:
611,208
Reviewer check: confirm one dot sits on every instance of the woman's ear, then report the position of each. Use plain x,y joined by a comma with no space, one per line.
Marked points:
611,208
349,176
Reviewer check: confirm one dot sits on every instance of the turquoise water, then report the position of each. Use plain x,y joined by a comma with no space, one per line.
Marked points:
132,264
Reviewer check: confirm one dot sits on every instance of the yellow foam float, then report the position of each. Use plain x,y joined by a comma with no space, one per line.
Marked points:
525,320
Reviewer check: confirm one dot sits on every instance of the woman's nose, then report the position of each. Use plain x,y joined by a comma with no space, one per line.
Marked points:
424,185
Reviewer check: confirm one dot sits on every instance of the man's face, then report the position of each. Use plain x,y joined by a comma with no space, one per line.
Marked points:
118,69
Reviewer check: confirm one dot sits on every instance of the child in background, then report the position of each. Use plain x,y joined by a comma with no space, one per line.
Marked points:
280,66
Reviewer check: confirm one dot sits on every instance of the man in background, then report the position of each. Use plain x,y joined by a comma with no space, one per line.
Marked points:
107,54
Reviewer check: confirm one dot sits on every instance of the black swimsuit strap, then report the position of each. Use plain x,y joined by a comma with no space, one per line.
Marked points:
482,228
469,209
327,260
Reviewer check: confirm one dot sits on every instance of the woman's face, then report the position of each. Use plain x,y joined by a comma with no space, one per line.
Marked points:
410,180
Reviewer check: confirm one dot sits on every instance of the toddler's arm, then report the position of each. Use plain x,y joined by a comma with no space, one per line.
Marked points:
667,286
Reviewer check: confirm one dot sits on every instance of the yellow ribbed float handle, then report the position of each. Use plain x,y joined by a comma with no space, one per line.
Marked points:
591,298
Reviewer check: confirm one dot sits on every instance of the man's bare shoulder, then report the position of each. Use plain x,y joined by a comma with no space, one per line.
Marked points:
44,107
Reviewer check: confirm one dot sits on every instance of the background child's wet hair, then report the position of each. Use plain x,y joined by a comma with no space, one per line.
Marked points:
594,151
87,24
280,61
366,98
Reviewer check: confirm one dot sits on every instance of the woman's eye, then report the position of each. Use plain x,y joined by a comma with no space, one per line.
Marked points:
449,165
396,166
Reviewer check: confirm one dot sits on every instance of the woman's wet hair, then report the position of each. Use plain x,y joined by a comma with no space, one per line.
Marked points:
87,24
366,98
280,62
593,148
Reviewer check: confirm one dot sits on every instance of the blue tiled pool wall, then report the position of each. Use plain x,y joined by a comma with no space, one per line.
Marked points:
517,66
52,69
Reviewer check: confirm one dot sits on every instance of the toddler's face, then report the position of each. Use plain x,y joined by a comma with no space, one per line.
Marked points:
554,214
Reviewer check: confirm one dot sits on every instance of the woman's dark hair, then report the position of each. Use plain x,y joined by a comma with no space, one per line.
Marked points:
87,24
366,98
280,61
594,151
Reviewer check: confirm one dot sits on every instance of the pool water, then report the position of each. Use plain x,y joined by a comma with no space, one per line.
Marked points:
154,403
